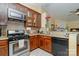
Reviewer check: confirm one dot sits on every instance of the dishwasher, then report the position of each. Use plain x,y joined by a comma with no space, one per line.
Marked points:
60,46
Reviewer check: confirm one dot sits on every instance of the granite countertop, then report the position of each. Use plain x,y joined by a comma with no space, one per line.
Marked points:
3,38
52,35
40,34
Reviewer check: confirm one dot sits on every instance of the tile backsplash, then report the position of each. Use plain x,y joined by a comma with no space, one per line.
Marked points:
3,30
15,25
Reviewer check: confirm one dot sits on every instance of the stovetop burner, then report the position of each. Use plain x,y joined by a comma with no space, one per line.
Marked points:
13,36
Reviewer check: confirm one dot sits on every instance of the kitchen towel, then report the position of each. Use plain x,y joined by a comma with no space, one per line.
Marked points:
21,43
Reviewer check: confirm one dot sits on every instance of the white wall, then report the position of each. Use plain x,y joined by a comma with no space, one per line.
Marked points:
43,20
60,23
73,24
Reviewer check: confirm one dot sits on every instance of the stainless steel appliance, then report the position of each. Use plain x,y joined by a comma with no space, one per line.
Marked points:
60,46
18,43
14,14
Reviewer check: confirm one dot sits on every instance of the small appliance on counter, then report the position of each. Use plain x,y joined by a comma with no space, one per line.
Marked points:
18,43
16,15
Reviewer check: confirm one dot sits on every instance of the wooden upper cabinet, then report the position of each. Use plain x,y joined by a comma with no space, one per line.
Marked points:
29,22
3,13
18,7
33,19
39,20
21,8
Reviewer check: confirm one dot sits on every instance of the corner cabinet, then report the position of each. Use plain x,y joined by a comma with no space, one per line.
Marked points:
46,43
3,13
41,41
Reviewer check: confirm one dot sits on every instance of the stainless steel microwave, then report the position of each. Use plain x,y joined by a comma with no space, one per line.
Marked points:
15,14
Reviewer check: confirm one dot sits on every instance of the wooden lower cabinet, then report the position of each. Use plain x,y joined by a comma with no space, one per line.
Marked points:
48,44
33,43
40,41
3,50
77,50
3,47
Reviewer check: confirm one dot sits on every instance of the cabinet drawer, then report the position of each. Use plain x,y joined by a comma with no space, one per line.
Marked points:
3,42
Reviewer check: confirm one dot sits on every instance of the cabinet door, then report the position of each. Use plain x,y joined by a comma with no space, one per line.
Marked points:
77,50
29,22
3,13
35,41
42,43
21,8
31,44
4,51
18,7
38,21
48,46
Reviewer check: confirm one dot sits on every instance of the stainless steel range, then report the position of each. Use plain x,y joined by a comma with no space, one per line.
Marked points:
18,43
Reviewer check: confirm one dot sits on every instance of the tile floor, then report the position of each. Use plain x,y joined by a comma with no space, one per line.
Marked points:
40,52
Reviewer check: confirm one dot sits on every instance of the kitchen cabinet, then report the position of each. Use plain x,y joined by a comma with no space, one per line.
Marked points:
3,13
37,20
33,19
77,50
40,41
33,43
29,22
3,47
18,7
48,44
3,50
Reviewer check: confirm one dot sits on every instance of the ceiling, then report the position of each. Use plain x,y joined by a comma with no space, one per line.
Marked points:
61,10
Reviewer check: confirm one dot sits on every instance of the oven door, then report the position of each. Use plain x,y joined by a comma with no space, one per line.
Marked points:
16,49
